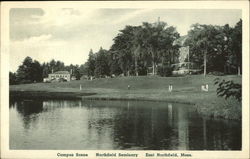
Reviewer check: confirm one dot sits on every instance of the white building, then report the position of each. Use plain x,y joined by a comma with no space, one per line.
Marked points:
59,75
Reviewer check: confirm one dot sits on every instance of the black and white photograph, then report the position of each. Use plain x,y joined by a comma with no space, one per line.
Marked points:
146,81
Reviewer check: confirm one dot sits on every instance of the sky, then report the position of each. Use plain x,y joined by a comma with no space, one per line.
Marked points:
68,34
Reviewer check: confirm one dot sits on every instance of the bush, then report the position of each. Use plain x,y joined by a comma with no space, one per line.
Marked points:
228,89
164,71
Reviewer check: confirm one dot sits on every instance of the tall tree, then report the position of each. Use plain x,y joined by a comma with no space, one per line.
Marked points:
46,69
115,68
237,44
83,69
102,64
29,71
36,72
137,49
157,41
12,78
24,72
91,64
207,47
52,65
122,49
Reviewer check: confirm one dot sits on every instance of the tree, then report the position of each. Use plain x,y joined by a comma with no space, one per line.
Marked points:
83,69
166,49
207,44
29,71
75,70
216,48
52,65
24,72
137,47
91,63
122,50
102,64
149,36
198,40
46,69
36,72
156,41
114,63
59,66
12,78
237,44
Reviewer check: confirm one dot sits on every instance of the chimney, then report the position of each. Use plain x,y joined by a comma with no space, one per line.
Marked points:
52,70
71,71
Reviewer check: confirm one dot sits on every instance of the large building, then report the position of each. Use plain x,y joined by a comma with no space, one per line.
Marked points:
58,76
183,65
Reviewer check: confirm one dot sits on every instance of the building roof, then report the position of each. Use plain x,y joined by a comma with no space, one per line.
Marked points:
61,72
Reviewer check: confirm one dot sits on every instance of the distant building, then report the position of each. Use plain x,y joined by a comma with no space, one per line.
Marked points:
183,65
59,76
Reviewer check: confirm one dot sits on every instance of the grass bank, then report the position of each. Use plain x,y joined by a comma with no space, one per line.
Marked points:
48,95
185,90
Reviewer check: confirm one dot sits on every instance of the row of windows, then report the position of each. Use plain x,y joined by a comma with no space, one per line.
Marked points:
57,76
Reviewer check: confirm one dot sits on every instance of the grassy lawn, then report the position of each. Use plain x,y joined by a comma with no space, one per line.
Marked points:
185,90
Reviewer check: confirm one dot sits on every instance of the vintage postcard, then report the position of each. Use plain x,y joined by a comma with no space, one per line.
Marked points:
125,79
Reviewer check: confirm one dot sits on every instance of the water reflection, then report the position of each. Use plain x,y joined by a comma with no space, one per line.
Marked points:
77,124
29,111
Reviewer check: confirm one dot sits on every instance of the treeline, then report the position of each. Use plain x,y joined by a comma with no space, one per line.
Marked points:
32,71
150,47
216,48
137,49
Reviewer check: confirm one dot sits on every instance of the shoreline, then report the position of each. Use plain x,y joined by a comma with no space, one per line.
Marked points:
27,94
212,109
47,94
135,99
186,90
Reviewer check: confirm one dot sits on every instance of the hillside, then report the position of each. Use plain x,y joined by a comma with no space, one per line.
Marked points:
185,90
187,83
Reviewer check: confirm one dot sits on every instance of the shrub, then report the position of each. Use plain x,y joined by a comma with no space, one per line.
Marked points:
228,89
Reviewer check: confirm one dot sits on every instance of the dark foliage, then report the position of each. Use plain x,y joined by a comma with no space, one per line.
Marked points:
12,78
164,71
228,89
30,71
216,48
102,64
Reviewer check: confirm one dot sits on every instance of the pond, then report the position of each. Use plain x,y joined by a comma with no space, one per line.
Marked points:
117,125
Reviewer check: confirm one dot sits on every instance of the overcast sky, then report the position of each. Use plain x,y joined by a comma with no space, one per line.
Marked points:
68,34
